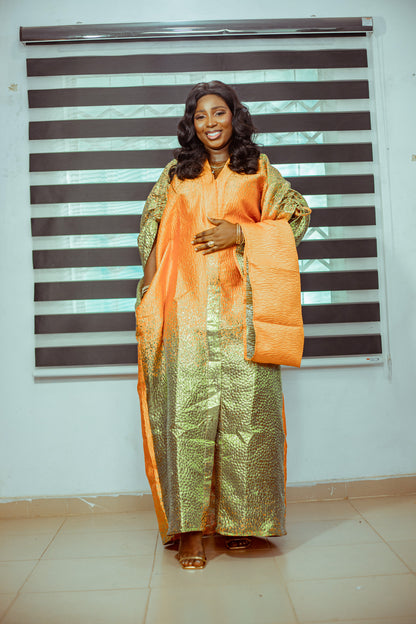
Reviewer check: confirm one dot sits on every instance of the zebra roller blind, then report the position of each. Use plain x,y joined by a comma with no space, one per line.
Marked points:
102,126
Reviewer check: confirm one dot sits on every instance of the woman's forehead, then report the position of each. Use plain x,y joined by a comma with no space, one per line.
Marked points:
210,101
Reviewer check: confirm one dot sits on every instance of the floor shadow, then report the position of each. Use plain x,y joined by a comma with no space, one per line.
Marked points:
298,534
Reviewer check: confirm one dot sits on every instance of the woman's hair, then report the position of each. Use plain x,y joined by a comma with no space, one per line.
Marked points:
244,154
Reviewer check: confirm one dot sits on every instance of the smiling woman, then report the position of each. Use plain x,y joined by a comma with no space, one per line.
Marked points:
218,244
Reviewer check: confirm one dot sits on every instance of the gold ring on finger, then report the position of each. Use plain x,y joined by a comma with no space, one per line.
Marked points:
210,244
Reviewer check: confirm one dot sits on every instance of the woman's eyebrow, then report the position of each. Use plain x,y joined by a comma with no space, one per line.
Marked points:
203,110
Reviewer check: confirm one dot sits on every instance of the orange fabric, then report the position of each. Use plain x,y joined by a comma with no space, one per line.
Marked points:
155,339
273,270
270,253
149,456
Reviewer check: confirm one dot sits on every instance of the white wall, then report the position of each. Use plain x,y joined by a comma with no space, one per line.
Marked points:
83,437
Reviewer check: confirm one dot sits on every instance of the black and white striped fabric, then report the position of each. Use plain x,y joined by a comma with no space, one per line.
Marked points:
102,126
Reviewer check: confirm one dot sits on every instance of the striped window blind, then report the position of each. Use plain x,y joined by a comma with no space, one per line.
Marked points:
102,126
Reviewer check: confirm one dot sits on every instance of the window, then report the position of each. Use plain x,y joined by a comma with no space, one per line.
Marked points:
103,125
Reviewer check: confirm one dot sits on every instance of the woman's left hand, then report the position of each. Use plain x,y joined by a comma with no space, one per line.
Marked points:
223,235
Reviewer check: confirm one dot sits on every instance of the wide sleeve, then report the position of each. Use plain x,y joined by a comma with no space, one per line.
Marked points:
273,323
150,219
279,200
152,213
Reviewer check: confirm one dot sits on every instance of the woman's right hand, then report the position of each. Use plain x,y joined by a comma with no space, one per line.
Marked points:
222,236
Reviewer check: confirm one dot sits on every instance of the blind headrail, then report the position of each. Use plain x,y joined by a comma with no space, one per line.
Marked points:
84,33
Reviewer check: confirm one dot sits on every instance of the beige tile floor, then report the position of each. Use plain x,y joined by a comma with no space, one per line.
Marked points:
342,561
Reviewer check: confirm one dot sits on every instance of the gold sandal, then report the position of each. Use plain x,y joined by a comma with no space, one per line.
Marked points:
190,566
183,557
237,543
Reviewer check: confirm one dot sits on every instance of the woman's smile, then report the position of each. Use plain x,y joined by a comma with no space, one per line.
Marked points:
213,135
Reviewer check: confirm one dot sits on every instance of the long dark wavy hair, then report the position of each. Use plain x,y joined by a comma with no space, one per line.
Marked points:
191,156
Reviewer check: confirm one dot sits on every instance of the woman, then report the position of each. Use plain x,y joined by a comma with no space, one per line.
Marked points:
218,311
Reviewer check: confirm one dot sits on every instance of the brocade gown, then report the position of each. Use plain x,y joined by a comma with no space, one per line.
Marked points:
212,331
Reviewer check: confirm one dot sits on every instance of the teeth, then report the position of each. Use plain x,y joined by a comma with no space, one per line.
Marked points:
212,135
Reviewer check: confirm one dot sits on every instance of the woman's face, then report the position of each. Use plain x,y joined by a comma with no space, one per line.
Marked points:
213,124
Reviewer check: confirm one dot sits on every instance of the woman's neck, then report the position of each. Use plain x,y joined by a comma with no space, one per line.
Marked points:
218,156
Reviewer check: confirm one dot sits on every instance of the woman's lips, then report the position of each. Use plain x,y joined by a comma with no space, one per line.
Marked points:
213,135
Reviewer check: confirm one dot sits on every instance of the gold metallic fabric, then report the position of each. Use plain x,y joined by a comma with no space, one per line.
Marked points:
212,418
